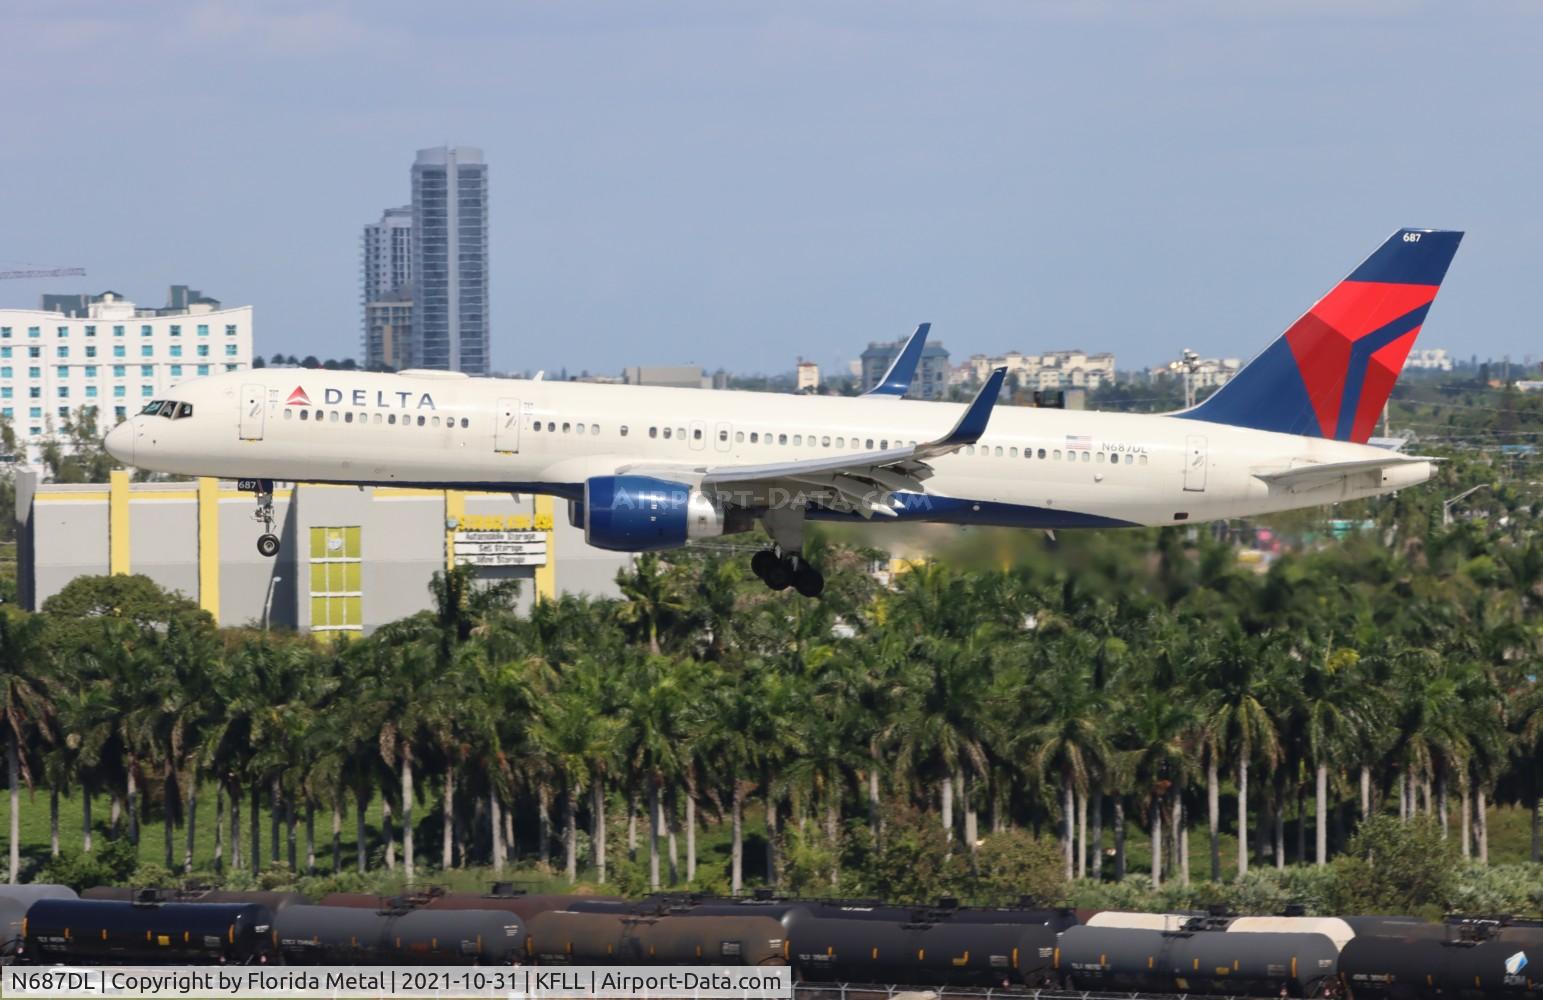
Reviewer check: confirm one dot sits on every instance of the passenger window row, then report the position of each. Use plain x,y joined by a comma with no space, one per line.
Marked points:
666,433
570,428
1054,455
379,419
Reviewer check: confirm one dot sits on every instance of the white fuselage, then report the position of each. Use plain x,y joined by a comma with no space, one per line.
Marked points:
1033,467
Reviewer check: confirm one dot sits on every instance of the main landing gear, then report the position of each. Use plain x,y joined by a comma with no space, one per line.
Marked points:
267,542
783,566
779,572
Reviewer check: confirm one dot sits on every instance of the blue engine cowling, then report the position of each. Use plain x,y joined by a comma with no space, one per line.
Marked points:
644,514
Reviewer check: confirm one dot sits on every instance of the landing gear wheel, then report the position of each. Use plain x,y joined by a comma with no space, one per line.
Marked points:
762,563
268,545
807,580
779,575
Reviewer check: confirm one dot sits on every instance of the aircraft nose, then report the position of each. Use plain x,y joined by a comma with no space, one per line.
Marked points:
119,442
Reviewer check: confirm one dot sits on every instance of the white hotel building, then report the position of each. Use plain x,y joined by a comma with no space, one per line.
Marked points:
117,357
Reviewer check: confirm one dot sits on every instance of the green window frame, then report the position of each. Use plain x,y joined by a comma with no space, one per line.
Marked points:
336,584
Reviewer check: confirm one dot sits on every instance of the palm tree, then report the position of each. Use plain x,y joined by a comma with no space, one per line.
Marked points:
25,711
1237,671
658,724
1070,740
1152,736
578,743
652,599
1339,710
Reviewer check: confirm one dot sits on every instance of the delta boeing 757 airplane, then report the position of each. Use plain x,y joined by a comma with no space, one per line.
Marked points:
646,468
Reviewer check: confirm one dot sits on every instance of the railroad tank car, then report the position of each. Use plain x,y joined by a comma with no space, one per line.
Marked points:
351,935
14,901
945,912
107,932
921,953
1204,961
1333,928
578,938
31,892
1390,925
329,935
1506,964
784,909
1131,920
274,901
371,900
524,906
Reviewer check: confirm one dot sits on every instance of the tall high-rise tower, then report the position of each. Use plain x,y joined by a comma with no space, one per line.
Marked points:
450,261
385,274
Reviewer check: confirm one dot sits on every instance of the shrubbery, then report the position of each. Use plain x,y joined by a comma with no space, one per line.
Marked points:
1391,866
112,863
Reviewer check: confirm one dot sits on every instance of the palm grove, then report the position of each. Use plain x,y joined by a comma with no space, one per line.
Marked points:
1113,698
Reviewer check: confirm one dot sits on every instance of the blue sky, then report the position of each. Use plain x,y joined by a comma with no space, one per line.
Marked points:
737,184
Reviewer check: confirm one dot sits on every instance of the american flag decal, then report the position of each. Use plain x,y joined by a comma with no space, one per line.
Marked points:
1079,441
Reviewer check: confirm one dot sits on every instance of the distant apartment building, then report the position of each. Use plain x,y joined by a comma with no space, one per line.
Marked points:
1433,359
807,377
1049,370
931,381
1205,372
388,325
450,328
385,280
105,352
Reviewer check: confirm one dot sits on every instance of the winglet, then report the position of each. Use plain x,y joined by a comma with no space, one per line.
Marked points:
972,424
897,380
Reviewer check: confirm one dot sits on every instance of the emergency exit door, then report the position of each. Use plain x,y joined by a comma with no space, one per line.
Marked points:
254,407
506,433
1194,463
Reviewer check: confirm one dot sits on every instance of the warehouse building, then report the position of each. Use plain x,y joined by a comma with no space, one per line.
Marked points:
352,558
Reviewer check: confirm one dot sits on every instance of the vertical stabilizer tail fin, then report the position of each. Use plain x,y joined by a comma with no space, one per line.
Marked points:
1330,374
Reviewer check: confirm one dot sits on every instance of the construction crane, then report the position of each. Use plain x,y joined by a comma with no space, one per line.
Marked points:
45,272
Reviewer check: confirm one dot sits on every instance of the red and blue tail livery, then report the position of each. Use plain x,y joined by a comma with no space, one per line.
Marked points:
1330,374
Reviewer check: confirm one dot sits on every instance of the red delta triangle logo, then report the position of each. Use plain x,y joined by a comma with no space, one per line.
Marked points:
298,397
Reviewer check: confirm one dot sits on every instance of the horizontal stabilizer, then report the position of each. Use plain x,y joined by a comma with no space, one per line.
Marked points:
1308,476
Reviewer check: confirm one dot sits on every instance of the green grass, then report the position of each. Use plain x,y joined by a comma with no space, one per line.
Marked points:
1509,843
712,842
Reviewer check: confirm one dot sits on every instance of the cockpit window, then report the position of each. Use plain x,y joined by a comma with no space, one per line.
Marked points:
184,410
152,408
168,409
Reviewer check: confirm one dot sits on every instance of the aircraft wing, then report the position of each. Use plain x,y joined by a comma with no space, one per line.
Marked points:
897,381
863,479
1308,476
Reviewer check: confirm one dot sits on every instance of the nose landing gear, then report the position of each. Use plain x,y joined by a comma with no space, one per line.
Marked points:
267,542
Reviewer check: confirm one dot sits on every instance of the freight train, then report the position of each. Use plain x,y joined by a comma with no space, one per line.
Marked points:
854,941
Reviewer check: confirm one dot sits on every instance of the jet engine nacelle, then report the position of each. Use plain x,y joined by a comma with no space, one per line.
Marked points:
644,514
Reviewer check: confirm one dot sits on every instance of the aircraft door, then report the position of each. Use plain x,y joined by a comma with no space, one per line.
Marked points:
1194,463
254,408
506,433
698,435
722,435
